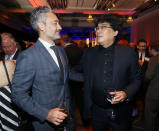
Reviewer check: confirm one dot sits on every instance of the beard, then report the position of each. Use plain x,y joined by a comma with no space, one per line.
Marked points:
54,36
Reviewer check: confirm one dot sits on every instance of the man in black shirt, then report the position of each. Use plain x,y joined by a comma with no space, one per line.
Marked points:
109,67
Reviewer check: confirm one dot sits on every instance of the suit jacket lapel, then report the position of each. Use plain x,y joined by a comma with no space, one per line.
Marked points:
63,61
46,54
61,56
16,55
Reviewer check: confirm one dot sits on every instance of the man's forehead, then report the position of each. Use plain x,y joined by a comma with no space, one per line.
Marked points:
6,35
52,15
6,40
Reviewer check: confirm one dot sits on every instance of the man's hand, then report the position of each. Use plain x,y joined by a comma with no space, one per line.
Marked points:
119,97
56,116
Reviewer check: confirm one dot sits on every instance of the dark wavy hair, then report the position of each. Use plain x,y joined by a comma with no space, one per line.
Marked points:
112,19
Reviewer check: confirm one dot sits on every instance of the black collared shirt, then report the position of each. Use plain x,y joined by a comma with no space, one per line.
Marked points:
103,74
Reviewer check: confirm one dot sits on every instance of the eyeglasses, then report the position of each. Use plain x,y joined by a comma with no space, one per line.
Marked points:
101,27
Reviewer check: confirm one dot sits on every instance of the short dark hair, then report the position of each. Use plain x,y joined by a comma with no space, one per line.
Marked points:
141,40
39,15
113,20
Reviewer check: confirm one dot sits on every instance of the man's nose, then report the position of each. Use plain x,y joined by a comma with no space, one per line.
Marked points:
59,26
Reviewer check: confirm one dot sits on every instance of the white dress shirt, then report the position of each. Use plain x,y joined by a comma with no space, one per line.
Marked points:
51,52
143,56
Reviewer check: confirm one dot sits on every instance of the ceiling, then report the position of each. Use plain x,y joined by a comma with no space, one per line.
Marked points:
72,13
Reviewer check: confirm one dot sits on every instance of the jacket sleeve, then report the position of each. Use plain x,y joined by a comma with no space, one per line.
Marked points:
87,85
151,69
135,75
22,85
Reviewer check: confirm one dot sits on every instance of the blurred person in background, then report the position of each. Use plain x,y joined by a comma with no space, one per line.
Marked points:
82,45
10,51
72,50
65,41
74,54
152,94
9,46
10,114
143,59
143,54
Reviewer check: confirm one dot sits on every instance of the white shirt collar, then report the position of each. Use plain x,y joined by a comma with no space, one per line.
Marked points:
143,52
52,53
143,55
11,57
46,44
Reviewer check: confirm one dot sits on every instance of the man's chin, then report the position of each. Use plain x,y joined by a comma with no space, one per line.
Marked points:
56,37
99,41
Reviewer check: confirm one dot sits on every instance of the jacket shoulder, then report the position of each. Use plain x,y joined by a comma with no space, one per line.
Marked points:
91,50
29,51
125,48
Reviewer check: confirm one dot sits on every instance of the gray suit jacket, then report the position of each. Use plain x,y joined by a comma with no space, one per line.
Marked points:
37,73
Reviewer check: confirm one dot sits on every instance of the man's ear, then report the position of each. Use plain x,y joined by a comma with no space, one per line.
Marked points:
41,26
116,33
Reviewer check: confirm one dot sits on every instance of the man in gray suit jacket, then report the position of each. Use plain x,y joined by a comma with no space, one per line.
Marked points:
41,73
